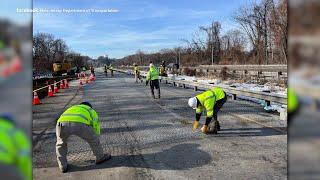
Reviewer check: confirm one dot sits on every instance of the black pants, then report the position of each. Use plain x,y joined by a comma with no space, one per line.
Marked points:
218,106
155,84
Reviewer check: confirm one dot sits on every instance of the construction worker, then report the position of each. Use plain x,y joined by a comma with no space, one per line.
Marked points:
106,70
111,69
92,70
15,151
153,77
163,69
82,121
293,104
136,71
211,101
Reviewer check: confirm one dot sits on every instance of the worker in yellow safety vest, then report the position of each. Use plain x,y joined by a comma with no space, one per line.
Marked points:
153,78
136,71
162,69
293,104
111,69
106,70
211,101
15,151
82,121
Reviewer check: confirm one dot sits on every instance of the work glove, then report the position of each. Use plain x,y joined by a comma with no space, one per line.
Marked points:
205,129
195,125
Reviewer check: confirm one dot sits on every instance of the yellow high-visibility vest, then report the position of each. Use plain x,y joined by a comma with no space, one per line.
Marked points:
208,99
15,148
81,114
293,102
152,74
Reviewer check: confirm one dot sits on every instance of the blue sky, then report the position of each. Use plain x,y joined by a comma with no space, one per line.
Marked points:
8,10
146,25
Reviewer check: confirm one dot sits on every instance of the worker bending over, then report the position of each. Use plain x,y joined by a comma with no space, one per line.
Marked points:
153,77
82,121
211,101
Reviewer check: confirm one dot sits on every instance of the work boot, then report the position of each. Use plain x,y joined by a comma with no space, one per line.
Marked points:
106,157
64,169
205,129
195,125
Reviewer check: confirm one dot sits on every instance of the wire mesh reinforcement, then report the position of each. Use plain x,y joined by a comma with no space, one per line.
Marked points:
131,121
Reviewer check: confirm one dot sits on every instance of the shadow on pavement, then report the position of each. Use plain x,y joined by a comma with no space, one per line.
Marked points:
179,157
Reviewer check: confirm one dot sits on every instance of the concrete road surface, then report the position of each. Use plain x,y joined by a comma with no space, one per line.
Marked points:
303,149
153,139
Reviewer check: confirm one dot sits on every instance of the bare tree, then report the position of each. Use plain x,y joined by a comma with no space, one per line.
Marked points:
213,40
279,28
140,56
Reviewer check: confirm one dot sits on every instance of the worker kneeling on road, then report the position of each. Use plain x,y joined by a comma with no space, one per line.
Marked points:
153,77
211,101
82,121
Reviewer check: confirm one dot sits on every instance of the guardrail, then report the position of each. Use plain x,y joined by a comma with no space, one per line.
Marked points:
268,97
234,92
256,73
263,68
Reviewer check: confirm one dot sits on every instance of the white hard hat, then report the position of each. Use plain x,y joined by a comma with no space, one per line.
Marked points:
151,65
193,102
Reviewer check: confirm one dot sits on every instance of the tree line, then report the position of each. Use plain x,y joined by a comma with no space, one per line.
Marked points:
47,50
260,39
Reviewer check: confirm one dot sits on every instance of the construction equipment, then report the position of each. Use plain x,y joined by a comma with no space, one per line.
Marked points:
60,68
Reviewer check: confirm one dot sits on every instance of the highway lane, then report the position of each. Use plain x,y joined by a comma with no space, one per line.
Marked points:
152,139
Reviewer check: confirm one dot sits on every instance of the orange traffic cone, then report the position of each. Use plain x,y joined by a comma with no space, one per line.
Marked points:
55,88
86,80
66,85
91,78
16,65
36,99
80,81
61,85
50,93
